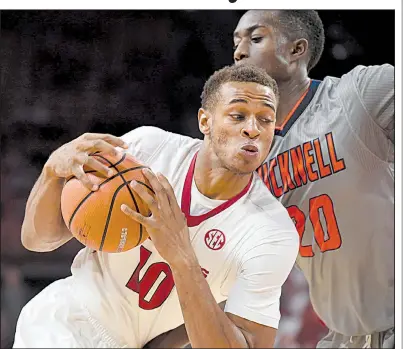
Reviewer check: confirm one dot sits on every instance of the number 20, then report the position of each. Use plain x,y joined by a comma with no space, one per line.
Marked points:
324,203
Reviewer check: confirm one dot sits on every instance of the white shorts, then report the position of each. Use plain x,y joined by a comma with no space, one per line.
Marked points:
55,319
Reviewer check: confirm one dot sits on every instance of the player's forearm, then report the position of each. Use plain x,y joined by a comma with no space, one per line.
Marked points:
176,338
43,228
206,323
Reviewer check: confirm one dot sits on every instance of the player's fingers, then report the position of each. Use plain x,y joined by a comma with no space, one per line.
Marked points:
99,167
169,192
79,173
152,178
116,141
146,221
111,139
97,145
150,200
159,190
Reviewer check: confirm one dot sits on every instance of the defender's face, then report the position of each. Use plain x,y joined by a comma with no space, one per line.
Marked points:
257,42
243,125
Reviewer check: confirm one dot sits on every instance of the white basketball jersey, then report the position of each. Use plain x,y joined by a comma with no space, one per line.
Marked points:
246,248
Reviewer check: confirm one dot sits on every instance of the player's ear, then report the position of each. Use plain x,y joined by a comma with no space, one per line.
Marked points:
205,120
299,49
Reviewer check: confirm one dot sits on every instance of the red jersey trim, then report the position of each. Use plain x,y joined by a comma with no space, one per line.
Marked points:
193,221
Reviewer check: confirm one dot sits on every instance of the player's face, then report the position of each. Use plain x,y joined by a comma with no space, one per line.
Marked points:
243,125
257,42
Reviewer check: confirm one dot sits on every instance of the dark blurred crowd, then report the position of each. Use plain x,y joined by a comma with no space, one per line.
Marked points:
69,72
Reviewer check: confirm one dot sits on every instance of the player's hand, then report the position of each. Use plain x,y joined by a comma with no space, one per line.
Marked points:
70,158
167,224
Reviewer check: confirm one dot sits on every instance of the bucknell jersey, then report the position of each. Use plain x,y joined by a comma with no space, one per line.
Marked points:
332,166
246,248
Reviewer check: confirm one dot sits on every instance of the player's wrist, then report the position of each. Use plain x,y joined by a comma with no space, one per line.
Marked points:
48,171
185,262
49,176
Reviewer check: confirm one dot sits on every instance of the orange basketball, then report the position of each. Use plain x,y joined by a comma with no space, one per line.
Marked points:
95,218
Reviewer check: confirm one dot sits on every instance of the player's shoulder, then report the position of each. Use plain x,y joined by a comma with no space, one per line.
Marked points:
266,213
350,86
361,75
361,71
151,139
147,133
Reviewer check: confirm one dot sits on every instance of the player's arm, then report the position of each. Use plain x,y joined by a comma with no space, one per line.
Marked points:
176,338
251,315
43,228
376,88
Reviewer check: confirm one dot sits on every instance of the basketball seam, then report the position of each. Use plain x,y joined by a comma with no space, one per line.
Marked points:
126,183
147,186
92,171
110,212
104,182
112,165
109,215
137,208
130,193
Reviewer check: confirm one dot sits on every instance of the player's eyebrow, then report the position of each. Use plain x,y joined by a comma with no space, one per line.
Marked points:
238,100
241,100
249,30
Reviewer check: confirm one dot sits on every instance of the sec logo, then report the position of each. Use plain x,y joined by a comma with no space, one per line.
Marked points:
214,239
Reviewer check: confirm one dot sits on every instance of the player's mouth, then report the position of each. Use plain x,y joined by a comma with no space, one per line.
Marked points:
250,150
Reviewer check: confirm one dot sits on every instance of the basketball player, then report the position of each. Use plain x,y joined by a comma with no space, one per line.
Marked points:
332,166
215,233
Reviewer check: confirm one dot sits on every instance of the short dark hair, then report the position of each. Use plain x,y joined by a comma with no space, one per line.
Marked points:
234,73
304,24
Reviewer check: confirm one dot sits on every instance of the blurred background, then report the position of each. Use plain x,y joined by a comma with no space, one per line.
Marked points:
64,73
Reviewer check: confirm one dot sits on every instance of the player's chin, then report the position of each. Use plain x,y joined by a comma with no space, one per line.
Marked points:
241,165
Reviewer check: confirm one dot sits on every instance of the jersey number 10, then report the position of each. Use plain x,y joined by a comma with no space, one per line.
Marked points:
324,204
156,284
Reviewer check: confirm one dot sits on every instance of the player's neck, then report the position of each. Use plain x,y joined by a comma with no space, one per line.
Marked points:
290,92
216,182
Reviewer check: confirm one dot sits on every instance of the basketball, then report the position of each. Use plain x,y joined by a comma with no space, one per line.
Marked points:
95,217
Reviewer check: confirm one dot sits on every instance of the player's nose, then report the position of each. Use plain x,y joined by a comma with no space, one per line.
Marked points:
241,52
251,129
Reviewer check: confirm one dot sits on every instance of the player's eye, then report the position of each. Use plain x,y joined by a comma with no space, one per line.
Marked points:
237,117
256,39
